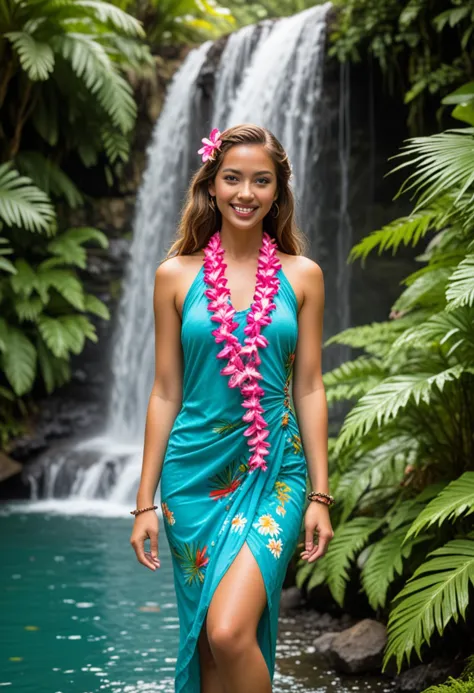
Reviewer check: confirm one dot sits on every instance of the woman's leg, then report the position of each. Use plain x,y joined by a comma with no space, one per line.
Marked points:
232,620
210,682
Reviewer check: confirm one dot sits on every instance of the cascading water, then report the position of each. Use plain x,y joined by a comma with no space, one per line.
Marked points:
270,74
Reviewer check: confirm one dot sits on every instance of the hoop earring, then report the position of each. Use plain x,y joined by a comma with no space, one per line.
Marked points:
211,203
278,210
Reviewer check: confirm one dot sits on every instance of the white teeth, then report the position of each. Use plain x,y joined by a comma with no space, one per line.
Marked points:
243,210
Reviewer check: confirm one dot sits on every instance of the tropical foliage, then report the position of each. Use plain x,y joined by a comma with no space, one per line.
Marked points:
403,462
64,100
180,21
424,47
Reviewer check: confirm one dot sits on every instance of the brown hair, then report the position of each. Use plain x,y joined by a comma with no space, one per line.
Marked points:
199,220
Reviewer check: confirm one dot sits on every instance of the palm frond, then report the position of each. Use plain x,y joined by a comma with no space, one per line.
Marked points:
109,14
444,161
406,231
455,327
437,593
426,291
460,288
455,500
353,378
389,398
22,204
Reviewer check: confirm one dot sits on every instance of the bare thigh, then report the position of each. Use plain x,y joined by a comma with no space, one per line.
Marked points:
236,606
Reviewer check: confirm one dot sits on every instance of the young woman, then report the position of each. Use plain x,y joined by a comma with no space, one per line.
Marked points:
238,319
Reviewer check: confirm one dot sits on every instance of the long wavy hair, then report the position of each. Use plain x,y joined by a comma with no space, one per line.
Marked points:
199,220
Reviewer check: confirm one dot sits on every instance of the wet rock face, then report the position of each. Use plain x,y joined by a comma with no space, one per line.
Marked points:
354,650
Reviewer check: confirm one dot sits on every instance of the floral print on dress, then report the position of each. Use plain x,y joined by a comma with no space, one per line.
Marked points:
275,547
295,440
167,514
238,522
193,561
282,492
226,482
266,524
286,389
224,426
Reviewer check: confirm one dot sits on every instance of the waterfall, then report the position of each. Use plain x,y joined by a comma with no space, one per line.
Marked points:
270,74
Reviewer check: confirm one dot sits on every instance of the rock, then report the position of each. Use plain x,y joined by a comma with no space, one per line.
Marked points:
290,598
424,675
356,649
8,467
323,644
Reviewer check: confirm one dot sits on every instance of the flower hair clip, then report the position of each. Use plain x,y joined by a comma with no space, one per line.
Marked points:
210,145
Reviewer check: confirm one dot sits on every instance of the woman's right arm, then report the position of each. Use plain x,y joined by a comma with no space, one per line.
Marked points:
163,406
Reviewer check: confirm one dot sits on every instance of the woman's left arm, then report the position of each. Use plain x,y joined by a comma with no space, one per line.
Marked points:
309,398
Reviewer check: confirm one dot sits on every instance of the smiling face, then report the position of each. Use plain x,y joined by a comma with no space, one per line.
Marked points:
245,186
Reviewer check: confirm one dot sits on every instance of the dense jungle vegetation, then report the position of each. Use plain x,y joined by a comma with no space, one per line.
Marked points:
402,465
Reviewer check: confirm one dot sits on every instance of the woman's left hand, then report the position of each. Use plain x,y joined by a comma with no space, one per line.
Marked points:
316,519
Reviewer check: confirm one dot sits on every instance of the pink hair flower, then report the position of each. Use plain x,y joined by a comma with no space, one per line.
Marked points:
210,145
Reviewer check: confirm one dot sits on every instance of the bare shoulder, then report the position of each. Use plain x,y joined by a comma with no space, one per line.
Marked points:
175,275
304,275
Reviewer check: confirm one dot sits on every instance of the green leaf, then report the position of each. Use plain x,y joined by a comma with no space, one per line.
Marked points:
386,400
49,177
94,305
460,288
22,204
28,308
24,282
19,361
66,333
349,538
108,14
384,562
455,500
36,57
65,283
55,371
437,593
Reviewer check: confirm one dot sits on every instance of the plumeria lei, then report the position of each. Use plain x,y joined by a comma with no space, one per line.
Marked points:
243,371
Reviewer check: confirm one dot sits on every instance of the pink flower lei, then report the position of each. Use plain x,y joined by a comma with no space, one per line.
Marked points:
244,373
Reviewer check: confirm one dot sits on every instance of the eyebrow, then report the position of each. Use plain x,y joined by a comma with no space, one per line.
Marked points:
235,170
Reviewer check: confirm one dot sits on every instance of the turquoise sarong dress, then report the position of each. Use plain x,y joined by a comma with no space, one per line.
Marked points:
211,501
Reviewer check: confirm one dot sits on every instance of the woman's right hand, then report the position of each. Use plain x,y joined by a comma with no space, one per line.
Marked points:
146,527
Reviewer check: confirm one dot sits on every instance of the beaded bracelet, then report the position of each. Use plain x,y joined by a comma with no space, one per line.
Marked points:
142,510
320,497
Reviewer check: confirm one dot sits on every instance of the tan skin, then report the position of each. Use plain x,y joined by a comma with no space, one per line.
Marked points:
230,658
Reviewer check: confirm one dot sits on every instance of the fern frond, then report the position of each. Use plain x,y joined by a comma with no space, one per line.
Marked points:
389,398
65,283
455,500
425,291
384,563
22,204
406,230
353,378
114,16
437,593
349,538
36,57
90,62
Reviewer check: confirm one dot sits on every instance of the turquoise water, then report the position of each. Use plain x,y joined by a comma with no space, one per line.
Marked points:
79,614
